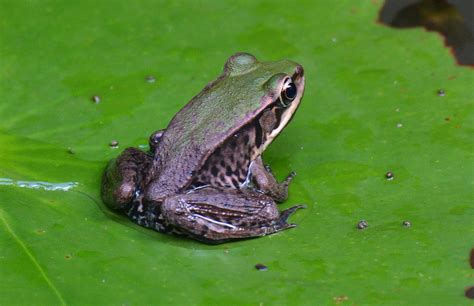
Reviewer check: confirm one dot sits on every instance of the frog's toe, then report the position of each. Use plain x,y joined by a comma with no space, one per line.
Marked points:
279,226
284,215
289,178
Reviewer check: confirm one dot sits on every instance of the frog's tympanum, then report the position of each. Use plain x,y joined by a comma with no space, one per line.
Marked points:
204,176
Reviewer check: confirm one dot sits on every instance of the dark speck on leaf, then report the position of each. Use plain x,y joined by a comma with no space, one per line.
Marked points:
114,144
362,224
67,256
261,267
441,92
340,299
71,150
150,79
406,223
471,259
95,99
469,292
389,175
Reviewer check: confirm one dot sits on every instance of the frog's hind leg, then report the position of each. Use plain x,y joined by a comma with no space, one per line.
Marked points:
125,177
215,215
264,180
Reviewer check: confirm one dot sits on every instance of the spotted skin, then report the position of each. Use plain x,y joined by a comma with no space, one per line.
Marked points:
229,165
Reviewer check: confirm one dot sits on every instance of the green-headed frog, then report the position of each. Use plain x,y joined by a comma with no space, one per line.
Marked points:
204,176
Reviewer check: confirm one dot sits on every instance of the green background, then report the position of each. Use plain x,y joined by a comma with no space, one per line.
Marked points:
362,80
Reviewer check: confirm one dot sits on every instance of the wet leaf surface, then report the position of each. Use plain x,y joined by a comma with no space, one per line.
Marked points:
371,106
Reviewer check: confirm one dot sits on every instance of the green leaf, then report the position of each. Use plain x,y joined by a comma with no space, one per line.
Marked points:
370,107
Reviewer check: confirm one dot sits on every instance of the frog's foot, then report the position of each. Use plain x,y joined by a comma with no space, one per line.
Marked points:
146,214
264,180
284,215
124,177
215,215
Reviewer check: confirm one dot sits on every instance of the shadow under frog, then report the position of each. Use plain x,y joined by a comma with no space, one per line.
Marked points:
204,176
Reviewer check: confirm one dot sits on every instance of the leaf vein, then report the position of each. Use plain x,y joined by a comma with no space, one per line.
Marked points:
31,257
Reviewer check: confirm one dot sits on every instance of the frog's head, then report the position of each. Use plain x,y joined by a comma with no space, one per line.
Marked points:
276,86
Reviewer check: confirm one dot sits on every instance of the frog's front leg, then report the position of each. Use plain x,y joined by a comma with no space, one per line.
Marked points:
264,180
217,215
124,177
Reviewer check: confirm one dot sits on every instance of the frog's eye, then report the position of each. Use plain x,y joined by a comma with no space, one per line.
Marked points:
289,92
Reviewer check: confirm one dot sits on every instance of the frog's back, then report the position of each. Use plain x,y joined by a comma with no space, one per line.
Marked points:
218,112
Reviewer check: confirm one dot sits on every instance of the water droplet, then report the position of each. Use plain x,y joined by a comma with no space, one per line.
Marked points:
399,125
95,99
71,150
389,175
441,92
150,79
362,224
261,267
114,144
406,223
334,39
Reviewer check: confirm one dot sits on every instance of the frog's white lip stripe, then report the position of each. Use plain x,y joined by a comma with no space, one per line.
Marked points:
298,79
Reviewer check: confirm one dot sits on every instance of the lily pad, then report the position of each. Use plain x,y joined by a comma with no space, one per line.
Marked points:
371,106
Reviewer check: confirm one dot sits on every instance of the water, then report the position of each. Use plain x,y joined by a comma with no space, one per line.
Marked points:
66,186
454,19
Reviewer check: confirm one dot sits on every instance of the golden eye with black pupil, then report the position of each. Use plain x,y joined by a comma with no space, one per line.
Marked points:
288,93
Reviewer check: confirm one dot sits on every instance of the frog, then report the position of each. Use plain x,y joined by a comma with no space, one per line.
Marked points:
203,176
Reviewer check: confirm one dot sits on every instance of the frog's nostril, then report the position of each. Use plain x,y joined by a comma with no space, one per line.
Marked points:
299,71
298,75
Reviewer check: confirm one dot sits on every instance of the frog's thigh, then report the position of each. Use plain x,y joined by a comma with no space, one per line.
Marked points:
124,176
266,182
217,215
